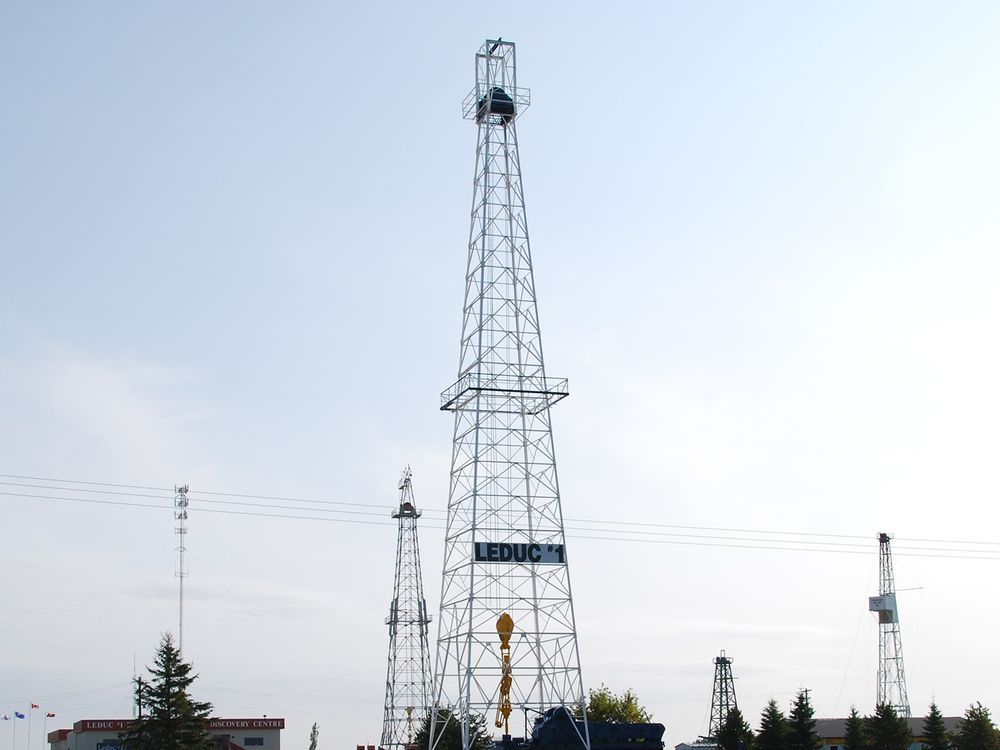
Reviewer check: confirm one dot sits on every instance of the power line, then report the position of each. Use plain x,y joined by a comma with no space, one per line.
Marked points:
636,536
169,490
626,525
859,545
200,510
80,481
205,500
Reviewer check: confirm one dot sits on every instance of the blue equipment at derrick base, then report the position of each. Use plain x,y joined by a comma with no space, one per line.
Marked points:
556,729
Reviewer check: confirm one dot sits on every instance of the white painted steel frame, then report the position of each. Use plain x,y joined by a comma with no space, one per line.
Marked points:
504,486
408,676
891,677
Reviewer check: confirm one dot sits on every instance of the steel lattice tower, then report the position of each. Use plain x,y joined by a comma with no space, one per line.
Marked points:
891,678
723,694
181,503
507,631
408,678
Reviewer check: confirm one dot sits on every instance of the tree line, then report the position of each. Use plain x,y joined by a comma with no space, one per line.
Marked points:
170,719
883,730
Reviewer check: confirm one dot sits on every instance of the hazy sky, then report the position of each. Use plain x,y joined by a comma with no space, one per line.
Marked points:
232,246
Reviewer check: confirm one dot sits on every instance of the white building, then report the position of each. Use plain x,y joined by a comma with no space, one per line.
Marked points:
231,734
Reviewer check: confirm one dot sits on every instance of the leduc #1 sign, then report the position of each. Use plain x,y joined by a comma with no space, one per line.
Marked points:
513,552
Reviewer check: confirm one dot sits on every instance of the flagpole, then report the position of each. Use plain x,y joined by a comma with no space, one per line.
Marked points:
30,707
45,725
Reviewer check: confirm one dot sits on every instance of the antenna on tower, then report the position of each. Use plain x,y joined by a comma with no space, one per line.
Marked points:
180,516
408,676
891,678
507,630
723,694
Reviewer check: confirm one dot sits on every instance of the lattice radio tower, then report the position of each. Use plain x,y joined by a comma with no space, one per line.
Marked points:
180,516
507,632
408,677
723,694
891,678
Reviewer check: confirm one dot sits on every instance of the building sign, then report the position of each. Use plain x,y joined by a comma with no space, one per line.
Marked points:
513,552
216,724
103,725
122,725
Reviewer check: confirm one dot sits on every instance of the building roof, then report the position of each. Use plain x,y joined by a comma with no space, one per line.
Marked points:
835,728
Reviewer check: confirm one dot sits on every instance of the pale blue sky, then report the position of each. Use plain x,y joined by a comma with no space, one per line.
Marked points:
233,239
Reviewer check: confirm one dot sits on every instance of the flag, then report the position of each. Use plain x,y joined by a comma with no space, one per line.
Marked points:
6,717
34,705
18,714
49,715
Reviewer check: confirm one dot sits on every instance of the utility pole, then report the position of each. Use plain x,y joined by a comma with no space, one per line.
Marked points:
408,676
139,685
891,677
507,631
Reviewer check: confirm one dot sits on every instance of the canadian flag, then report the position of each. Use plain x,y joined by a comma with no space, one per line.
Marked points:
34,705
50,715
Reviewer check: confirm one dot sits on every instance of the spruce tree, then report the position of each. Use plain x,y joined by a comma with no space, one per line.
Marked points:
886,730
935,736
802,726
976,731
854,731
449,732
773,731
735,730
169,718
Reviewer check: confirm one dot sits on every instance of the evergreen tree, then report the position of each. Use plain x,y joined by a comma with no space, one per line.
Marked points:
449,732
603,705
802,726
169,719
935,736
887,731
976,731
773,731
854,731
314,736
735,730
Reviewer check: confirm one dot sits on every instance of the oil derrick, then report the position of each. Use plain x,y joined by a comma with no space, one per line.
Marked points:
507,631
407,682
723,694
891,678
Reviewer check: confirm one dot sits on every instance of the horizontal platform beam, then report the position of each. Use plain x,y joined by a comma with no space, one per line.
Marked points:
504,395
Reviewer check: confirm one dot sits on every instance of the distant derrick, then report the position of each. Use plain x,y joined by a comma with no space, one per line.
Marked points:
891,677
408,676
723,694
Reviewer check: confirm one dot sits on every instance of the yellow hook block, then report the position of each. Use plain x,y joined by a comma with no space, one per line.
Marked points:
505,628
